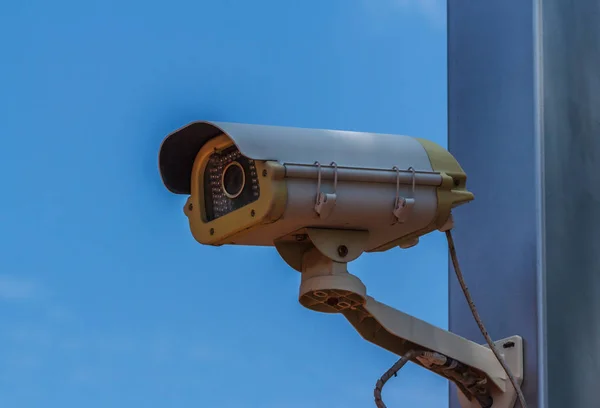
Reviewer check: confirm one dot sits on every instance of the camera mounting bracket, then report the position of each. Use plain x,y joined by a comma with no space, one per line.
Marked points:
327,287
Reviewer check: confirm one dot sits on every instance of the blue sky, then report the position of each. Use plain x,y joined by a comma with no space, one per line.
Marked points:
105,298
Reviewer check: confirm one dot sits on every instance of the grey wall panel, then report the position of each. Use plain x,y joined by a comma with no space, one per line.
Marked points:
524,121
492,125
572,199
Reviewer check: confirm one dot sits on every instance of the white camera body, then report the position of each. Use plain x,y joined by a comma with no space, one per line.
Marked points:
392,188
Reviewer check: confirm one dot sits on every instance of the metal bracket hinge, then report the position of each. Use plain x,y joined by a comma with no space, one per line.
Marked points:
325,202
403,206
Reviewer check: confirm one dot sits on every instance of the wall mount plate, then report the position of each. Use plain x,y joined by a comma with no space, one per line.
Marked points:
511,350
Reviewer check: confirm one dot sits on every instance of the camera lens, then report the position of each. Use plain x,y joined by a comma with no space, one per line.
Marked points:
233,180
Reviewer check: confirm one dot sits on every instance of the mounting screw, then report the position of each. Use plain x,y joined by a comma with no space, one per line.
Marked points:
212,231
190,206
264,173
342,250
301,237
332,301
252,213
508,344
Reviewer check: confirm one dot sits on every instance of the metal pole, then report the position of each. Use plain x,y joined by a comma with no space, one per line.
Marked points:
524,122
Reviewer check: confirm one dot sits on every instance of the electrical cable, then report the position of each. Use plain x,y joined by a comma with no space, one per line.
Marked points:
479,322
388,374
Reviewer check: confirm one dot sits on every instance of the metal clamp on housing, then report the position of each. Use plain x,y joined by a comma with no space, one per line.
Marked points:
325,202
403,206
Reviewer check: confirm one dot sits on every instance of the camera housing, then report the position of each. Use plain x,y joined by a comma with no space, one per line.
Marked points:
389,188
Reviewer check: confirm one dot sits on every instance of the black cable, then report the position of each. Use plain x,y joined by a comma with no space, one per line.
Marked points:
388,374
479,322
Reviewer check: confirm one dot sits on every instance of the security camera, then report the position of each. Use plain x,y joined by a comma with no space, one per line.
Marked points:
260,185
322,198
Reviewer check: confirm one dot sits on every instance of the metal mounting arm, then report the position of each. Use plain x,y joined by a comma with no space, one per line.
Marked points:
326,286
